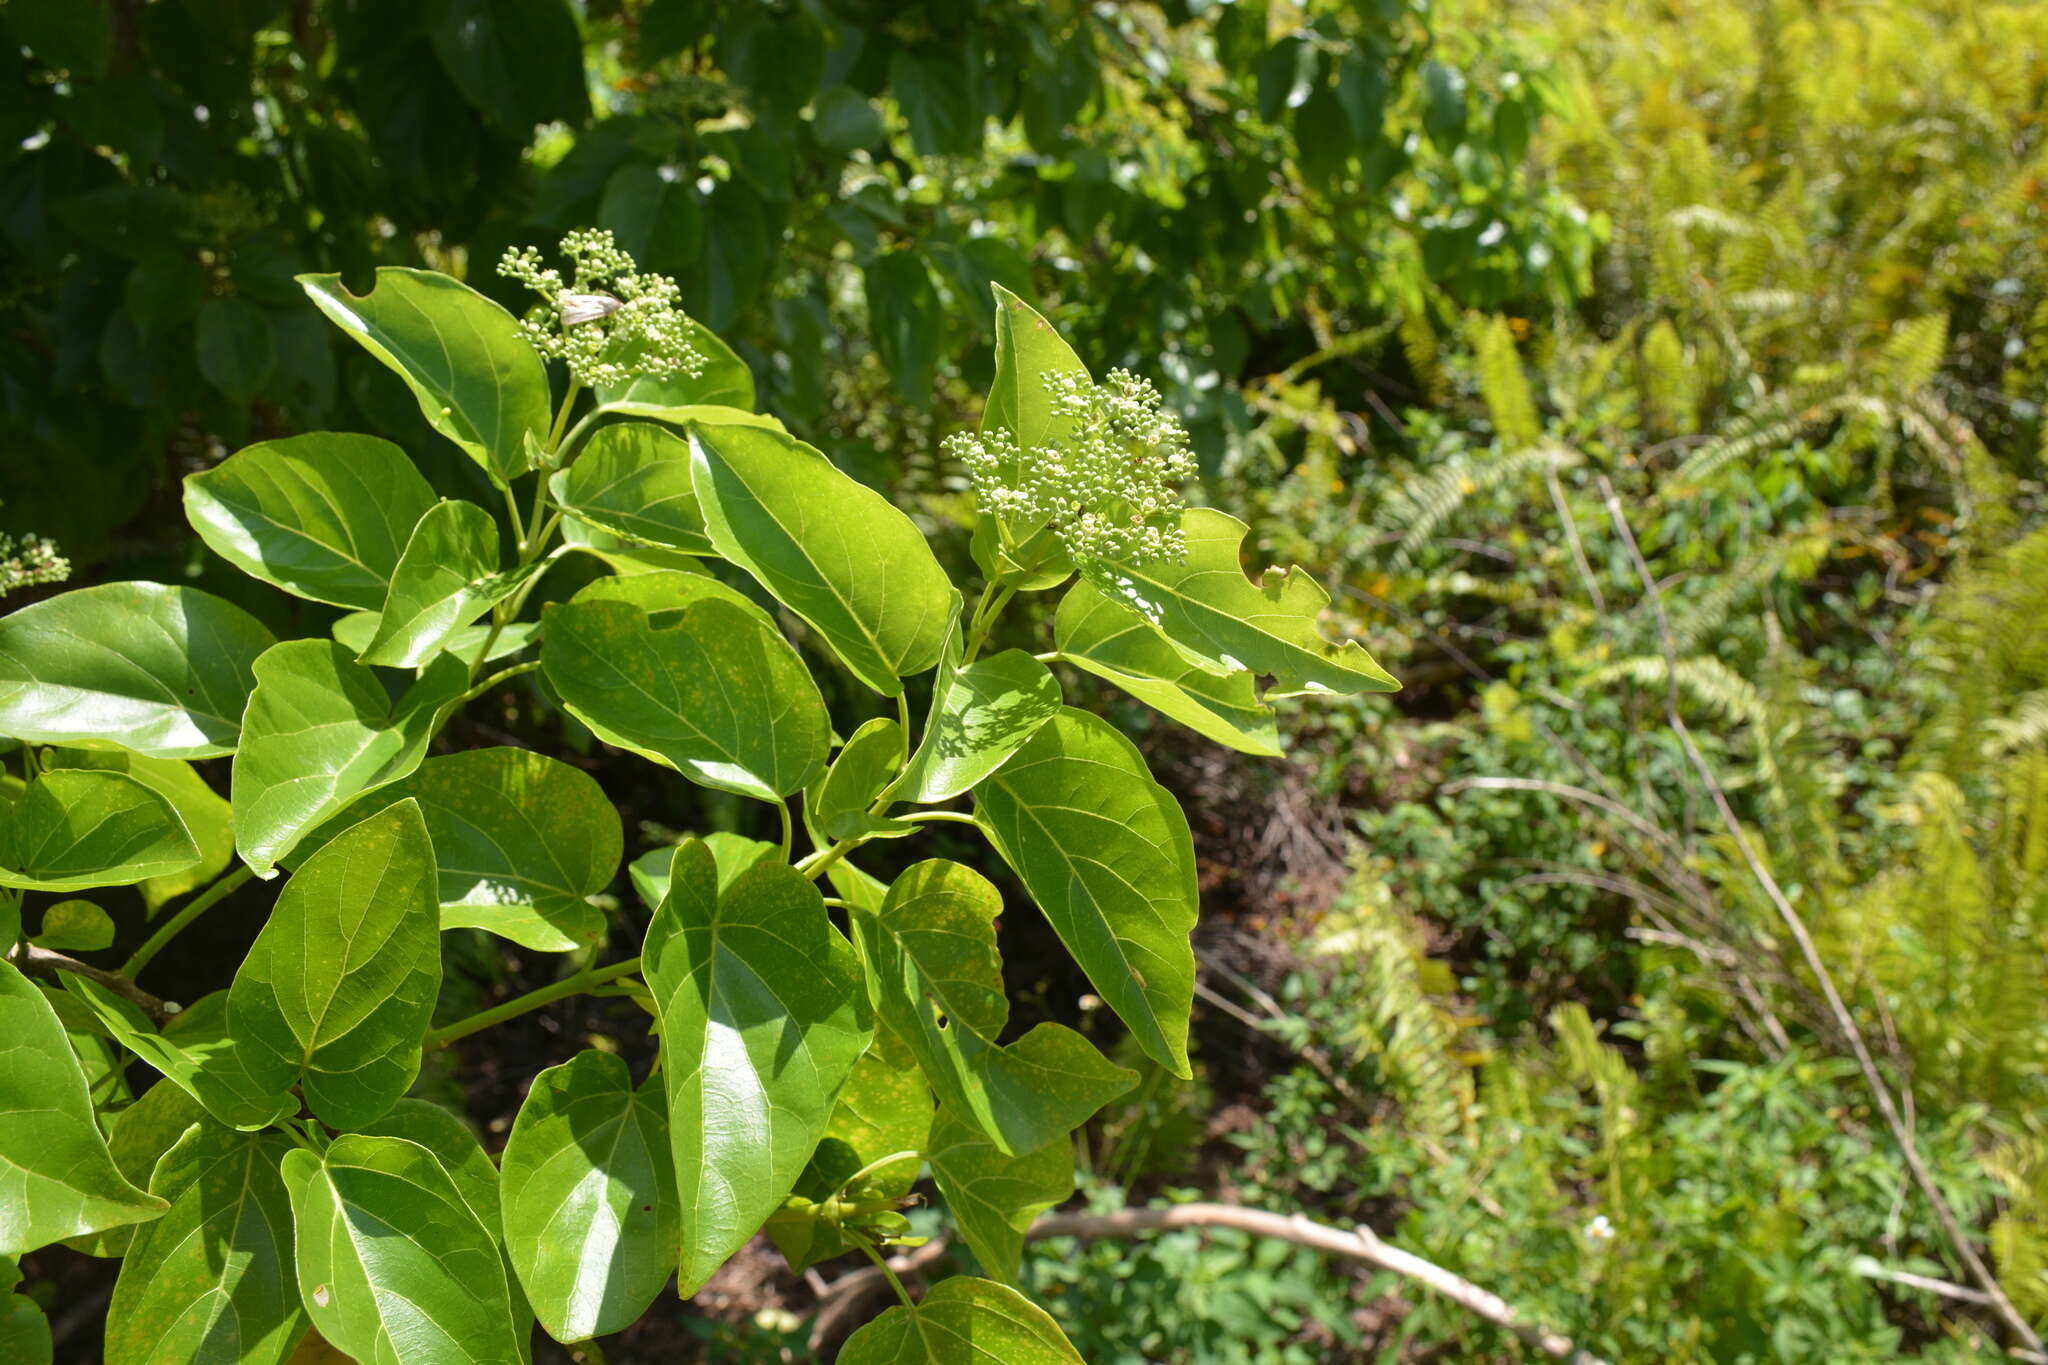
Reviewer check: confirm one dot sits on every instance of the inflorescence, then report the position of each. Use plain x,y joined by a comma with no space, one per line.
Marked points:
609,323
1110,490
29,560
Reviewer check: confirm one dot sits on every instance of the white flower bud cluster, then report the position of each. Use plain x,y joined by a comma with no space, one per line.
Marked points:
29,560
1111,491
609,323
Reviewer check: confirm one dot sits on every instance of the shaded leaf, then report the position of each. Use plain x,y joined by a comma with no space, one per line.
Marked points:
980,715
937,984
1106,853
74,828
962,1322
337,991
868,1159
1115,644
393,1266
75,927
590,1203
321,731
207,818
447,577
761,1021
211,1281
160,670
198,1058
633,479
994,1196
839,805
57,1178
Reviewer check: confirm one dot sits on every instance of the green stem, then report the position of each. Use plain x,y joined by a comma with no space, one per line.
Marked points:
578,434
985,620
500,676
176,924
814,866
902,1295
512,510
562,416
531,1001
788,829
876,1165
918,817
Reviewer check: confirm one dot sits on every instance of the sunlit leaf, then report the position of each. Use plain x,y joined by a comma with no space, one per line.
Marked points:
962,1322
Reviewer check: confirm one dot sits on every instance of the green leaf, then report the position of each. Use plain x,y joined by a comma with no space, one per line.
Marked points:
519,61
664,594
324,516
1115,644
590,1200
339,987
198,1057
141,1134
75,927
633,479
1106,853
884,1112
521,840
321,731
761,1021
1226,623
904,317
477,380
237,345
447,577
207,818
354,632
393,1266
731,853
937,984
725,381
844,120
833,551
1027,349
24,1331
211,1281
162,671
165,290
454,1145
994,1196
838,806
57,1178
717,696
980,716
73,828
962,1322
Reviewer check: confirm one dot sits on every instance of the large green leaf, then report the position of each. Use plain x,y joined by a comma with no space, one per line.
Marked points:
337,991
1226,623
716,696
477,380
1115,643
324,515
210,1283
665,593
864,1166
207,818
522,841
980,715
1027,349
993,1195
590,1200
198,1057
163,671
830,549
633,479
840,805
519,61
321,731
393,1266
761,1021
937,984
962,1322
73,828
57,1178
140,1135
447,577
454,1145
1106,853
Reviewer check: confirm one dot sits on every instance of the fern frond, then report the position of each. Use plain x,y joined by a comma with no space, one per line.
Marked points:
1503,384
1414,511
1913,352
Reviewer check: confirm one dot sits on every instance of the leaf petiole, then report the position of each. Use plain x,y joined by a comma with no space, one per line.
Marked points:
226,886
531,1001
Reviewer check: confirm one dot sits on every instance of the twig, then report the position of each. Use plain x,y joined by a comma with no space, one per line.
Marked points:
1359,1244
34,961
1880,1093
